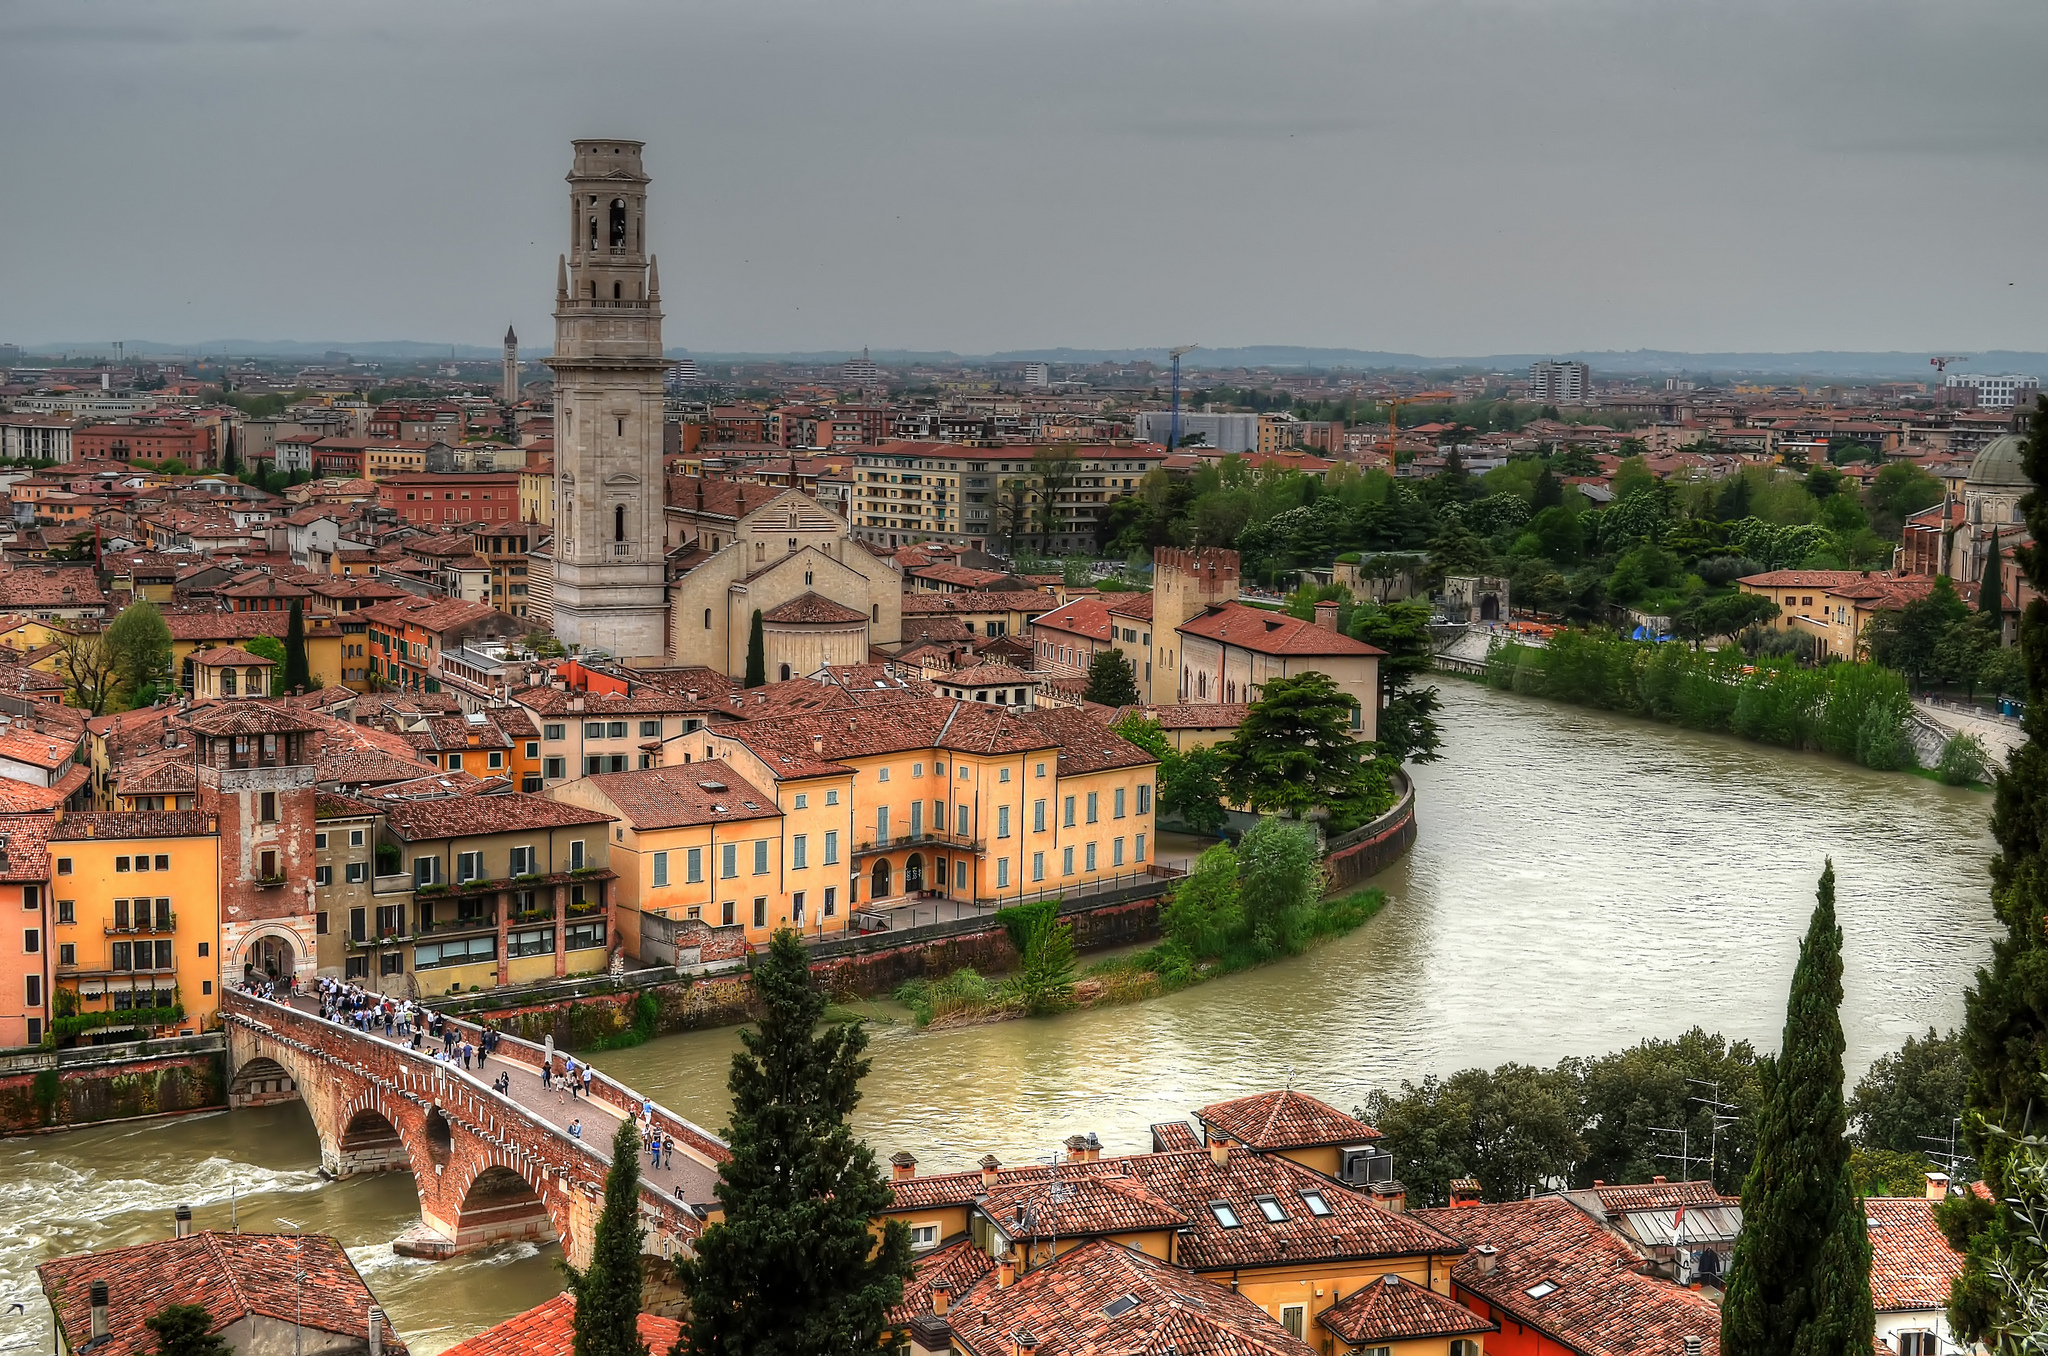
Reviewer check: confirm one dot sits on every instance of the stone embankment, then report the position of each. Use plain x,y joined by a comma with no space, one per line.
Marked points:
58,1089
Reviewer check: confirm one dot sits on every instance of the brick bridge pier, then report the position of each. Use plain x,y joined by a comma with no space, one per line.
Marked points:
488,1167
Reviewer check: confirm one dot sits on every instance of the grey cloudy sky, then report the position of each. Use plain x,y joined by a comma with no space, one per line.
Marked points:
1435,176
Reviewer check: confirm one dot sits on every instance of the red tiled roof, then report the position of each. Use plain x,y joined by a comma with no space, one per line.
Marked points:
958,1265
1191,715
1272,1121
1071,1207
1587,1291
1659,1195
1805,579
134,824
915,604
1911,1263
24,847
232,1275
471,816
1393,1310
1251,628
1086,744
810,609
549,1329
1085,617
1102,1298
703,792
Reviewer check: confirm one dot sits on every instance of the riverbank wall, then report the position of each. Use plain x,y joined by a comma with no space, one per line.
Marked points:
1356,857
64,1089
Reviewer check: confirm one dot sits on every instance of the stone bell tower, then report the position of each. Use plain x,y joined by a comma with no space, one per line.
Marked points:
509,386
610,589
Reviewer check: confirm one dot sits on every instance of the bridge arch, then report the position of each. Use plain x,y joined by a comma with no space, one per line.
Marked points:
260,1082
503,1198
370,1138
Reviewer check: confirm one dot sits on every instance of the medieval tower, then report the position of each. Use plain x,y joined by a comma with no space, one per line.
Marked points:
509,386
609,585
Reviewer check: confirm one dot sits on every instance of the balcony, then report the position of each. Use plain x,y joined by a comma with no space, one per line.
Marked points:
926,838
165,922
442,927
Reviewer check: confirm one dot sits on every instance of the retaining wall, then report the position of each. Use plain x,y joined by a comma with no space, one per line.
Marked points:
59,1089
1356,857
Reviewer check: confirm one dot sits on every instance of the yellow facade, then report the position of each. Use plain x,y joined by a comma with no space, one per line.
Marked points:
94,885
537,496
323,650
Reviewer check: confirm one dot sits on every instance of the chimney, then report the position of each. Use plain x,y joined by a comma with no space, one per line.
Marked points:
1006,1273
1077,1148
903,1167
1391,1197
1027,1342
1692,1346
181,1222
818,745
1094,1147
1487,1257
1464,1192
1937,1186
376,1326
1656,1181
99,1310
1326,616
942,1297
1219,1152
988,1171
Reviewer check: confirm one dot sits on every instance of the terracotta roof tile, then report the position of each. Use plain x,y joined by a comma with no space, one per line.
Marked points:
232,1275
1068,1207
1911,1263
1659,1195
810,609
1285,1120
24,847
549,1330
134,824
704,792
468,816
1251,628
926,604
1393,1310
1557,1271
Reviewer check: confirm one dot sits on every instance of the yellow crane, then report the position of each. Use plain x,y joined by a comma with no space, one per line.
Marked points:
1394,404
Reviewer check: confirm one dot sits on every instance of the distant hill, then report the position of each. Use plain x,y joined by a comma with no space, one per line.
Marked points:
1832,364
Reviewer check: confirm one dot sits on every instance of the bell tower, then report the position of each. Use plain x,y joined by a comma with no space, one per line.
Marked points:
610,589
510,384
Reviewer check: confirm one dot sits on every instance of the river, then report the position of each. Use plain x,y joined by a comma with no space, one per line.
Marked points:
1580,881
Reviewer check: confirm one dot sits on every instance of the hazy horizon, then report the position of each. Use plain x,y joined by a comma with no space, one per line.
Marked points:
1471,177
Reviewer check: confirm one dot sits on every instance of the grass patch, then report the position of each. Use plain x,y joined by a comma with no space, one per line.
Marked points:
1929,774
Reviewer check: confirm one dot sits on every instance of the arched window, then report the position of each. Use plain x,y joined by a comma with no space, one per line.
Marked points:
593,235
618,223
619,522
707,619
785,673
227,682
255,683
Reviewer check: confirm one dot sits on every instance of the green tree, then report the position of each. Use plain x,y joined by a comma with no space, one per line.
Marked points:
1111,680
1628,1093
1513,1128
186,1330
1295,750
298,674
1206,911
1045,972
793,1267
266,647
1725,615
139,644
1407,729
1800,1283
1990,597
1548,490
607,1291
87,665
1906,1101
1191,790
544,645
757,653
1964,760
2005,1025
1280,878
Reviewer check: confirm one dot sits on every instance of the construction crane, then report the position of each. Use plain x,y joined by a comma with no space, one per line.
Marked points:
1173,437
1394,404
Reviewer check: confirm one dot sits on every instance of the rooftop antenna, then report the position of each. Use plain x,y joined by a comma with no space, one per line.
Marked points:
1684,1155
1173,437
1953,1162
1723,1114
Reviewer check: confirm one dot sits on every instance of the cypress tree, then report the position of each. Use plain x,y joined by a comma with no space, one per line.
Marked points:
298,674
608,1290
1990,599
793,1267
1800,1285
757,653
2005,1013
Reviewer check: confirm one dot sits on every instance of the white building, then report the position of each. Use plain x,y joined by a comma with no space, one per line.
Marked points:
1996,393
1037,374
1225,432
1555,383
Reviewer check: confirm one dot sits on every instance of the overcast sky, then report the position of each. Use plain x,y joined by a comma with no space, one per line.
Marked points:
1432,176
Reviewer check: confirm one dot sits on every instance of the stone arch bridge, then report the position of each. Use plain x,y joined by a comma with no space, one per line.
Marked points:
488,1166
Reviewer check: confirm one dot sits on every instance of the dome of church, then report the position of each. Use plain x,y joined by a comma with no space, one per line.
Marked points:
1999,466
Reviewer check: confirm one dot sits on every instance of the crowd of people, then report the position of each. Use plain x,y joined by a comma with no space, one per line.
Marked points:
412,1024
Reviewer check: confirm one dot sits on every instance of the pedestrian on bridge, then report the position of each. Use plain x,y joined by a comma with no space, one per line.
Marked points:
668,1150
576,1129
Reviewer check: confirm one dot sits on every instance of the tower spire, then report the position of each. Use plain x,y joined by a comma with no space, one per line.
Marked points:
653,278
561,276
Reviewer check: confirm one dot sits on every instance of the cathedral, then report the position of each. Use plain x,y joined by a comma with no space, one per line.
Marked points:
609,577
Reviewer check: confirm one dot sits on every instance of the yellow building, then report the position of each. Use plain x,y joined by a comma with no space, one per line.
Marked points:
698,842
1834,606
930,801
473,892
136,918
537,493
1305,1247
192,632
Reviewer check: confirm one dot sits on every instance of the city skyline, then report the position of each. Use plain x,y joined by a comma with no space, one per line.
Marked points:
1477,179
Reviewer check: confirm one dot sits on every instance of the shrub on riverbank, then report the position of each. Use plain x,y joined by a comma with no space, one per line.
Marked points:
1855,711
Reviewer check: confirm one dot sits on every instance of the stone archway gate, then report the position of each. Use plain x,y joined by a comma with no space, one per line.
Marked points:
487,1167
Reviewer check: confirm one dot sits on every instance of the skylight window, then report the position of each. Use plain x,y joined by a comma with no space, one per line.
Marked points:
1317,1206
1120,1306
1270,1208
1541,1289
1225,1216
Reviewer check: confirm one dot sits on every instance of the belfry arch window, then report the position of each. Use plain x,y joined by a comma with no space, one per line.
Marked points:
618,223
618,522
617,291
